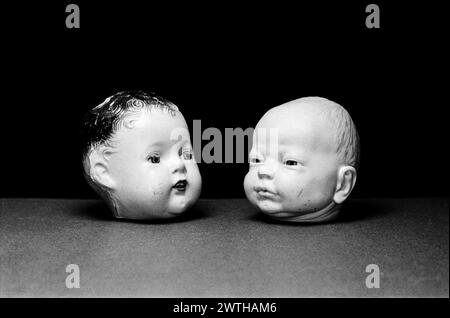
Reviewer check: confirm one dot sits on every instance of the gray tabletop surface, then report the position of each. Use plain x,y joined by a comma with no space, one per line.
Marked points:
224,248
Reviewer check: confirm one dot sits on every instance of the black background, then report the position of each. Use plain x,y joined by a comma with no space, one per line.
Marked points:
224,63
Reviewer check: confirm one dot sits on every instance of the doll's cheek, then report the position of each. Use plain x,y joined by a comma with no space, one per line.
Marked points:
194,178
249,180
289,188
195,189
159,190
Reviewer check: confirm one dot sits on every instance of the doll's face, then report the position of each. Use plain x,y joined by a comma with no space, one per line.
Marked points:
153,173
295,174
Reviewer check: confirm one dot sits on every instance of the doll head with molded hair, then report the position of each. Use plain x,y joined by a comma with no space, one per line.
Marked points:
138,156
303,161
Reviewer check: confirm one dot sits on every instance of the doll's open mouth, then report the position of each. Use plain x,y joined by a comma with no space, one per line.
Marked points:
180,185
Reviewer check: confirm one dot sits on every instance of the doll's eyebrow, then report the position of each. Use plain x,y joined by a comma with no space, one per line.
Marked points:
164,144
156,144
298,155
287,147
286,142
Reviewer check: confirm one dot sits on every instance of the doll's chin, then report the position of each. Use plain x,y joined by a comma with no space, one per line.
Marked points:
174,211
277,211
267,206
175,206
179,207
323,215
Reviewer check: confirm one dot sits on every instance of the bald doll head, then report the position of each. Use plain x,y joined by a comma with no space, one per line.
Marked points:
303,160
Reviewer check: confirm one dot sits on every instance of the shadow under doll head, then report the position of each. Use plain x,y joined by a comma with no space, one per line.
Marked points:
137,156
307,167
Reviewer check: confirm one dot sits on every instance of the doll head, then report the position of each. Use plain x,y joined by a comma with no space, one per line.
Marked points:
303,160
138,156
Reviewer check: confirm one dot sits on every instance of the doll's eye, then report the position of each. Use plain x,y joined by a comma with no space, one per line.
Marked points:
291,163
154,158
255,160
187,155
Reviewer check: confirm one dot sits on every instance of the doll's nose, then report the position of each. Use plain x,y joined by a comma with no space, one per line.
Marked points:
177,165
266,171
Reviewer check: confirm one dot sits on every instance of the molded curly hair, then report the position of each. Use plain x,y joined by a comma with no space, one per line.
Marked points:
102,121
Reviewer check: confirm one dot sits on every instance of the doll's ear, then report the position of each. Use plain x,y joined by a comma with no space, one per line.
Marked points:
100,169
345,183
